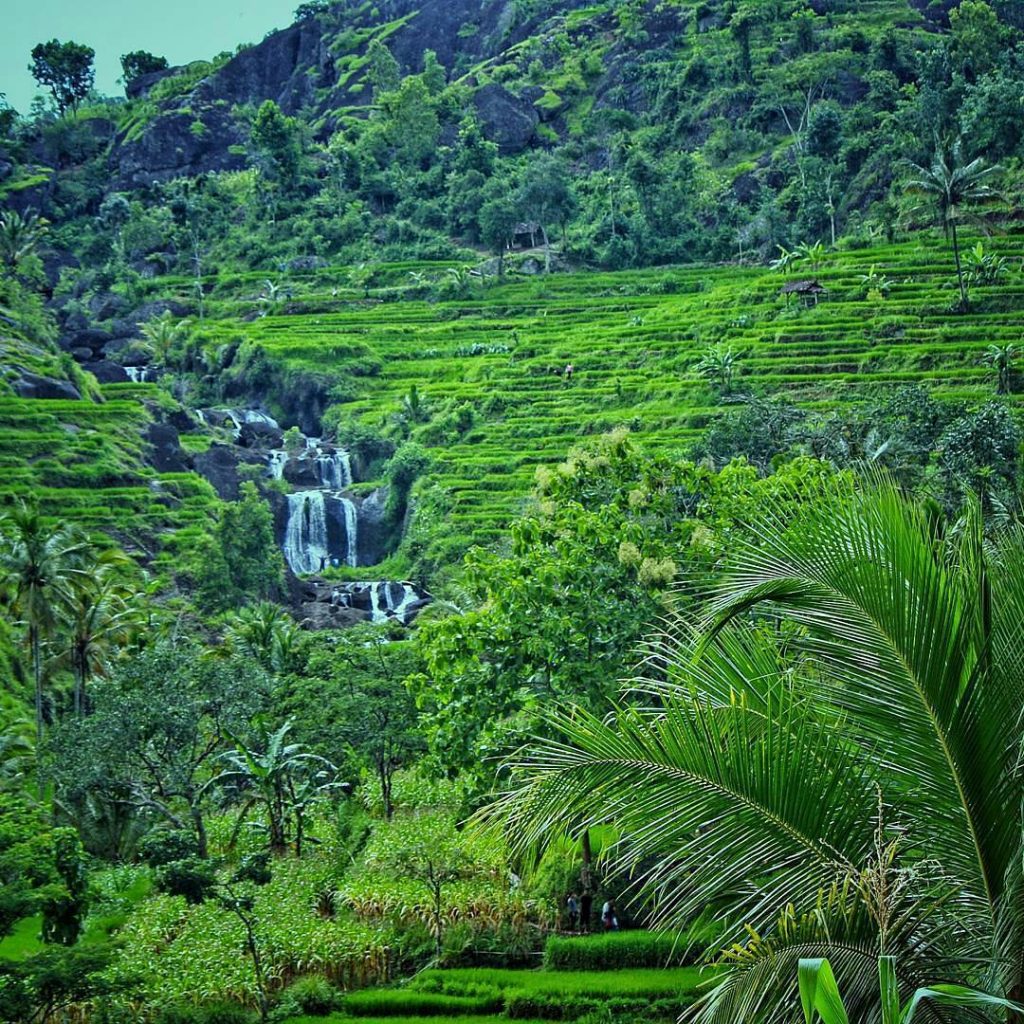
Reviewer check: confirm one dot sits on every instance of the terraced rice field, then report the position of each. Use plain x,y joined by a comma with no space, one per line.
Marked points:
489,995
634,339
83,461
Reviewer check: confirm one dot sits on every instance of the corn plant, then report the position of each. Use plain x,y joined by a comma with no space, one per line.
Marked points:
820,998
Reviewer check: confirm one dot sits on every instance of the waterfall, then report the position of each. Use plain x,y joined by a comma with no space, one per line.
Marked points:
255,416
401,610
276,461
334,470
137,374
351,532
377,614
305,538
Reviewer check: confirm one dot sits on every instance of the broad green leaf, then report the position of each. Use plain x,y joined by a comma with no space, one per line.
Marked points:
819,993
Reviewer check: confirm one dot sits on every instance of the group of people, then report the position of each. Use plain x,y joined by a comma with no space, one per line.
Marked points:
578,913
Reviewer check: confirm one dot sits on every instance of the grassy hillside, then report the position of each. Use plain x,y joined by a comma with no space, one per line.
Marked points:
634,339
85,460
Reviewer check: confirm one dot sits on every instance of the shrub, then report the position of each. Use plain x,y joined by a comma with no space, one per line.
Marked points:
390,1002
220,1012
615,950
312,996
190,877
163,846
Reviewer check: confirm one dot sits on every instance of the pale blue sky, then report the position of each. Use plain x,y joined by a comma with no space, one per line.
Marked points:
180,30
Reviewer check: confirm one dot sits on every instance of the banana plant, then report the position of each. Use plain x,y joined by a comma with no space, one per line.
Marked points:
820,998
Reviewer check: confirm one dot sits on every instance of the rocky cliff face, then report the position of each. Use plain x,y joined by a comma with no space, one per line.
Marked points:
302,68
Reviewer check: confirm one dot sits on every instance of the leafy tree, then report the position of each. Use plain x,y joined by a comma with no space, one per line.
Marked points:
413,125
952,187
977,37
352,696
741,26
435,76
980,452
545,196
839,735
156,732
64,905
474,151
277,142
382,71
41,986
66,69
560,613
825,130
26,861
429,849
238,897
498,218
241,562
140,62
8,117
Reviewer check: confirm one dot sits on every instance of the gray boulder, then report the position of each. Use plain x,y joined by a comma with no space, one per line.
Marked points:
31,385
166,454
506,119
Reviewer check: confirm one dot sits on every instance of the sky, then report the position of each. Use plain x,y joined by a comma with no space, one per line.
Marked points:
180,30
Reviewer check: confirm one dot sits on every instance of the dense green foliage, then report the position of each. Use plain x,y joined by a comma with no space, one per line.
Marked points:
614,315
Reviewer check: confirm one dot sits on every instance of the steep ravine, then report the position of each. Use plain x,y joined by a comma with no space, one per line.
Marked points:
320,523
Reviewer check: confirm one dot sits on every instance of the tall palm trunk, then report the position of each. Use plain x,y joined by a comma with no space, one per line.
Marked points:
959,267
37,671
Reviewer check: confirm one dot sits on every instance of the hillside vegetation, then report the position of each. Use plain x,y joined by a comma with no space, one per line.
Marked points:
475,473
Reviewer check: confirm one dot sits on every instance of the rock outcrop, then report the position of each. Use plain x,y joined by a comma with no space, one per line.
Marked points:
323,604
32,385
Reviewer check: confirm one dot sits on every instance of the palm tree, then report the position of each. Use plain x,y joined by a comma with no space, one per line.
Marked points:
952,186
266,632
17,751
101,616
162,333
1001,358
280,776
20,236
39,563
838,777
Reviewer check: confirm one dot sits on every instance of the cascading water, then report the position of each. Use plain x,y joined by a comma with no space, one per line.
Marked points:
351,532
305,539
401,610
276,461
333,473
334,469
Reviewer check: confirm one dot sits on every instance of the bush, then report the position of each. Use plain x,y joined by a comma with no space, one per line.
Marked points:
162,846
615,950
390,1002
312,996
222,1012
190,877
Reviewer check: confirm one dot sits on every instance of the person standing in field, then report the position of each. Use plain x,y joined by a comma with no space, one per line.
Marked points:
572,909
